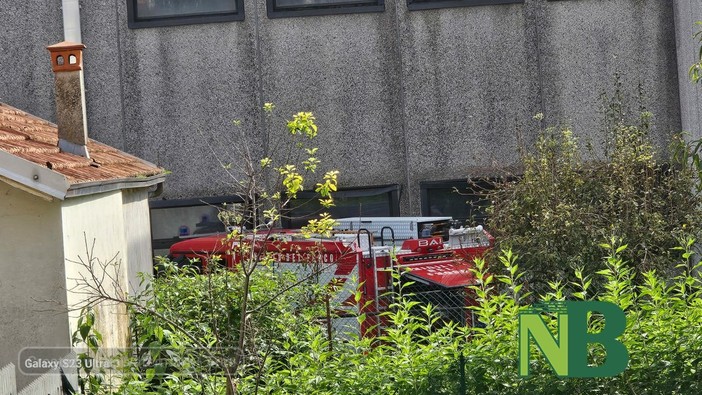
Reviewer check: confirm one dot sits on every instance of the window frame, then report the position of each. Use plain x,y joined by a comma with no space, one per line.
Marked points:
133,22
418,5
351,7
160,244
463,185
393,191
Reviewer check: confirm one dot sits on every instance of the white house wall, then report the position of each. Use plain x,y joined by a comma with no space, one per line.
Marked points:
98,219
32,280
137,235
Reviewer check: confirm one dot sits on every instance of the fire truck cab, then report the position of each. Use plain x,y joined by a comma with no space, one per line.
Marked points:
430,257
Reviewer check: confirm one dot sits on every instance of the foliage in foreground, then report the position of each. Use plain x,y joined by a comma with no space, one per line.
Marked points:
205,332
662,338
416,355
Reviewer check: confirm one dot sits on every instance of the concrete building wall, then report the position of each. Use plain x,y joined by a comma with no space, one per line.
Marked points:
584,44
687,12
93,226
26,28
400,96
32,283
470,77
346,70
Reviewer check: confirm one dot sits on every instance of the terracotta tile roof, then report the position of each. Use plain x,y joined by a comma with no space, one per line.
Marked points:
35,140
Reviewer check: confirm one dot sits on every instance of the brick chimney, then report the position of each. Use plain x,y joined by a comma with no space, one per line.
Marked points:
67,63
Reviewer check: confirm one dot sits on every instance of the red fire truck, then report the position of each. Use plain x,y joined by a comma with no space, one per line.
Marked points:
431,256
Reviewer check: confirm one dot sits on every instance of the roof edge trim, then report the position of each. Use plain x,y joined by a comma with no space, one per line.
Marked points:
90,188
33,176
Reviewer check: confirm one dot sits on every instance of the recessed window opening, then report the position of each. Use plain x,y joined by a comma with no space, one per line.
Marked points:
374,201
292,8
414,5
464,200
178,219
155,13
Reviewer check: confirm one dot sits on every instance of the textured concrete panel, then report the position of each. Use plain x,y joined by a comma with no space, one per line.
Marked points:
400,97
469,78
687,12
100,27
585,43
182,87
345,69
26,29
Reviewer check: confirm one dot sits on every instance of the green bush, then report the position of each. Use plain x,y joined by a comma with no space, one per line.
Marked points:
662,334
258,331
186,329
291,353
410,357
561,209
662,338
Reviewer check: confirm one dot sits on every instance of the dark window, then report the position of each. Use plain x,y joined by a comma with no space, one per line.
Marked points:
429,4
289,8
175,220
466,201
382,201
151,13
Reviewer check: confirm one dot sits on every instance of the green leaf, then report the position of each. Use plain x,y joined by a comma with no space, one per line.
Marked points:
84,331
158,332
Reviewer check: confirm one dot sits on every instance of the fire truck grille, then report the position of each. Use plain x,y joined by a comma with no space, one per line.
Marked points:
450,305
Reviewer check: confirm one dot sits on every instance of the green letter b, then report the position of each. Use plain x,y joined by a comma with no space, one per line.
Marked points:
579,338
